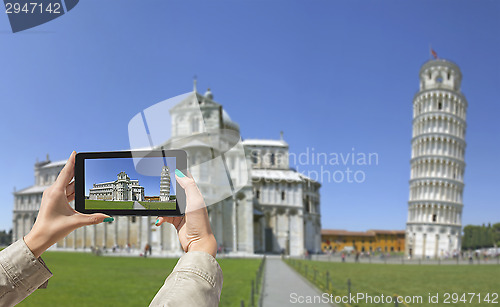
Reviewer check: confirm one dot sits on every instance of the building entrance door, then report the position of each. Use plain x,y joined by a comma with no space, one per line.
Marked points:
269,239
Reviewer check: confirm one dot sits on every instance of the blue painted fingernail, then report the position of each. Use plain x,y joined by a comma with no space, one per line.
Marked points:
157,221
108,220
179,173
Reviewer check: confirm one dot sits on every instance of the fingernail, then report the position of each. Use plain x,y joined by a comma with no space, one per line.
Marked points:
179,173
157,221
108,219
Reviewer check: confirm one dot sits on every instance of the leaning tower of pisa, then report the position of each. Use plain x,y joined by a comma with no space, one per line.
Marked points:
437,162
165,184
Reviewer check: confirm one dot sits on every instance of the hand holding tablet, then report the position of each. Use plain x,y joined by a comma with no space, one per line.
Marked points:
195,233
56,219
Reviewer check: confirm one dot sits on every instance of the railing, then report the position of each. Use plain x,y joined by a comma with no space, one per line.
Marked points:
401,259
256,286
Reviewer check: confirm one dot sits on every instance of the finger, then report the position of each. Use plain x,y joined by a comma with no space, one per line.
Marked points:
71,197
159,221
164,219
68,172
184,181
194,199
90,219
70,189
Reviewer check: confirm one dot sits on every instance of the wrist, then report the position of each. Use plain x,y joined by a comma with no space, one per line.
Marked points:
207,245
36,243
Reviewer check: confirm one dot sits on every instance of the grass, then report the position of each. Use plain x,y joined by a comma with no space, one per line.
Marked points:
159,205
404,280
106,204
82,279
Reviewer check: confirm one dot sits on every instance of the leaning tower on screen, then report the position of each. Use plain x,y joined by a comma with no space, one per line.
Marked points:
165,184
437,162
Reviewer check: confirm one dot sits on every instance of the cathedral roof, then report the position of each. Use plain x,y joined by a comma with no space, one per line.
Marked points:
262,142
55,163
34,189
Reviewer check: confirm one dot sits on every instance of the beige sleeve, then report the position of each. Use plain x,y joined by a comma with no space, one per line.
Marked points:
20,273
195,281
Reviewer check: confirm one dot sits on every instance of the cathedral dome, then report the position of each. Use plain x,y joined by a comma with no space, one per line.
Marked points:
208,94
228,122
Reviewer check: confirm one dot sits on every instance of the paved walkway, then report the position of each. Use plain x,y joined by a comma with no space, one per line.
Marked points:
281,282
138,206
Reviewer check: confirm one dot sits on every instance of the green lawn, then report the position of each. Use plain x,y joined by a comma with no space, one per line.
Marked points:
404,280
106,204
159,205
82,279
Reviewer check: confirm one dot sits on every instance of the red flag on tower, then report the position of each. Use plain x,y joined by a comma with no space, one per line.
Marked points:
434,54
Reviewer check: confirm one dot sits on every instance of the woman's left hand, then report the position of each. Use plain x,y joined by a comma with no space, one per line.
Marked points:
56,219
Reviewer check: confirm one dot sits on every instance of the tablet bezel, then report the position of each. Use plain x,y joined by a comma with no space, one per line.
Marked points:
181,164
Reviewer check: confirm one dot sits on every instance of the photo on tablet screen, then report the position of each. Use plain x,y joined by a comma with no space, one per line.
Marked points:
116,184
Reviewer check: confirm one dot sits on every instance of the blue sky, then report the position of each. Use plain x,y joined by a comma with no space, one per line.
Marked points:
333,75
104,170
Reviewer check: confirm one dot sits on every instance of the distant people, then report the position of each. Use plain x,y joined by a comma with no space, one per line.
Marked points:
357,257
24,271
342,256
147,250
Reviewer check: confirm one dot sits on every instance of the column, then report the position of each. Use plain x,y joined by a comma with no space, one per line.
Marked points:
235,247
84,243
94,236
162,245
105,226
14,228
139,234
288,246
128,231
263,232
115,240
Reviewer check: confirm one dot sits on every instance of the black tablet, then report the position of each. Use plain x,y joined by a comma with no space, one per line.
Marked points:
130,182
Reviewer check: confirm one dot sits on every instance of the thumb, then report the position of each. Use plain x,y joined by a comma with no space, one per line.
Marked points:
91,219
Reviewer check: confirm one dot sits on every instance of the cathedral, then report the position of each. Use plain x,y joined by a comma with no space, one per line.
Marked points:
266,207
121,189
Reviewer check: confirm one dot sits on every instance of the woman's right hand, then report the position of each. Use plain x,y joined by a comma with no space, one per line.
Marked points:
195,233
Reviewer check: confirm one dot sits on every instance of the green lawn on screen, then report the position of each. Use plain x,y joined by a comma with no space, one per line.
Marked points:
107,204
82,279
155,205
405,280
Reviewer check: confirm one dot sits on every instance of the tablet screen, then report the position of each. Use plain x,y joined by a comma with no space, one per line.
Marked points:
119,184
